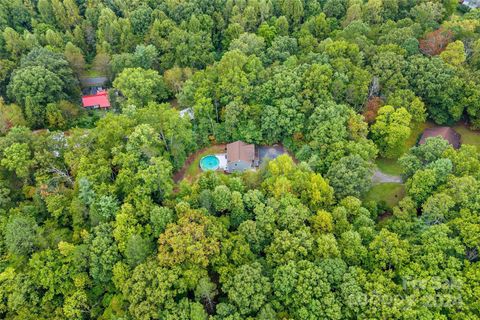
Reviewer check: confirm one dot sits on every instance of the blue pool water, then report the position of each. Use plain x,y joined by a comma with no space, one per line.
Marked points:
210,162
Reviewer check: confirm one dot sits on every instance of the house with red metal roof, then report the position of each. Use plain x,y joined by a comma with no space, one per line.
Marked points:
95,101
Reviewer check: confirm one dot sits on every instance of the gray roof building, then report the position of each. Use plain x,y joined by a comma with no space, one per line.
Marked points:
240,156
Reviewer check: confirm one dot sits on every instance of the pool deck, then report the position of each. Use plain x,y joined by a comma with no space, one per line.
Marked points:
222,157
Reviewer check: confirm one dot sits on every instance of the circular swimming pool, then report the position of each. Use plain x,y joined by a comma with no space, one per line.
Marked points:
209,162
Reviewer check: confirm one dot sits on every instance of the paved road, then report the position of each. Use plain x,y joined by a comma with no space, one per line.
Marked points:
380,177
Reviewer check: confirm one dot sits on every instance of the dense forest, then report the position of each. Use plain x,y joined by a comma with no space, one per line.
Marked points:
93,225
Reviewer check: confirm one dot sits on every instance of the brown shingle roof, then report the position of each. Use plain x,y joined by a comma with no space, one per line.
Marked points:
240,150
446,133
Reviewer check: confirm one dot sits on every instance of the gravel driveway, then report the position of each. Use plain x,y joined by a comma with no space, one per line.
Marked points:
380,177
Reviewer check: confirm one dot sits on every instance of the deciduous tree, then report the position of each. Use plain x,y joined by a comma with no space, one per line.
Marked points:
350,176
37,83
141,86
390,130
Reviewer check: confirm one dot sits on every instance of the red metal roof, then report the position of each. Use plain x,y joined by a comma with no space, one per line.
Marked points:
96,100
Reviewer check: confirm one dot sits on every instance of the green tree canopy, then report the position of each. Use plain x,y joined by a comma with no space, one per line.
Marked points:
140,86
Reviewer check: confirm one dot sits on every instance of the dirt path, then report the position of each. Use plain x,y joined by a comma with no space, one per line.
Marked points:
380,177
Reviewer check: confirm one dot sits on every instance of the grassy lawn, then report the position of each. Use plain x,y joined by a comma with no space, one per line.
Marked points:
193,169
468,136
390,192
389,166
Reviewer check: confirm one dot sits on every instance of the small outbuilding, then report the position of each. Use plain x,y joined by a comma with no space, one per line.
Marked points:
447,133
187,112
240,156
472,4
95,101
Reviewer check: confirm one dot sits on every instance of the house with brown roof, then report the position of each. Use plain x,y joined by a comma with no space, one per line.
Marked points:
447,133
240,156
